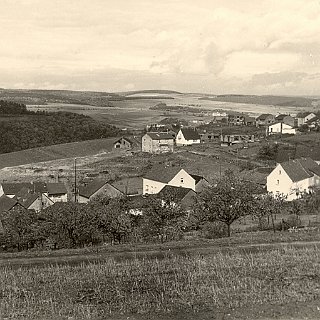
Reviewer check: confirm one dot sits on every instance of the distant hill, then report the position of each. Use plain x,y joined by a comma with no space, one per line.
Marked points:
265,100
143,92
60,96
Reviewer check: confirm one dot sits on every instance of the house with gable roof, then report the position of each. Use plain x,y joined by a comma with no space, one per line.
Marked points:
7,203
157,142
97,188
123,143
293,178
265,119
304,117
187,136
280,128
285,118
158,177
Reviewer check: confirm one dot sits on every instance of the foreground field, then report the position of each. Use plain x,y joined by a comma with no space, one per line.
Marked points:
216,284
245,277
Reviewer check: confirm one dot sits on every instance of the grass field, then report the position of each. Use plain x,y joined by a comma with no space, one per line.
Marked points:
222,282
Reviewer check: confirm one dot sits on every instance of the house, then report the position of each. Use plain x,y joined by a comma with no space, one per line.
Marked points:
236,119
12,189
231,139
56,192
280,128
285,118
249,121
157,142
123,143
293,178
129,186
313,123
95,189
209,137
265,119
7,203
32,202
303,117
184,196
187,136
158,177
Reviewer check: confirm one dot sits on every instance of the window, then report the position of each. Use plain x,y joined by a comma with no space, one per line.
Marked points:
278,182
181,180
279,171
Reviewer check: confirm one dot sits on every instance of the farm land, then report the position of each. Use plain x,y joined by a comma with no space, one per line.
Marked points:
252,275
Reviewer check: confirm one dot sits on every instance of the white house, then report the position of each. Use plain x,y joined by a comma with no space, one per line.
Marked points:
280,128
159,177
293,178
187,136
157,142
303,117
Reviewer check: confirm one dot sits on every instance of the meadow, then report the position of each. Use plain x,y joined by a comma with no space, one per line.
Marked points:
220,285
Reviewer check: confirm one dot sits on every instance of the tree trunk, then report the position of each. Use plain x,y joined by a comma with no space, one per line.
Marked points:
229,230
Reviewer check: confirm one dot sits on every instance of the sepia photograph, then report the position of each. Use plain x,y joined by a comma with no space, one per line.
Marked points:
160,160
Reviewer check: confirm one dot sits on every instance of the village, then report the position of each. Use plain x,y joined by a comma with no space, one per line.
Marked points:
291,178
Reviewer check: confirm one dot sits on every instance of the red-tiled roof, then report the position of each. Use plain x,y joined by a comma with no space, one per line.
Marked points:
190,134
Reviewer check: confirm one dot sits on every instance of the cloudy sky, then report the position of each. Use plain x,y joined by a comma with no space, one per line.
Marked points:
213,46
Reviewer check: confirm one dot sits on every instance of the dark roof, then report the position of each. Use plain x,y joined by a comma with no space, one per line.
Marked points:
88,190
303,114
196,177
316,118
39,187
7,203
14,188
264,116
160,135
177,193
56,188
280,117
190,134
129,186
300,169
124,138
29,200
162,173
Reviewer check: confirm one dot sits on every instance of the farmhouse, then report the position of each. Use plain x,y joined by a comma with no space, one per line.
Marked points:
293,178
265,119
157,142
123,143
158,177
303,117
285,118
187,136
313,123
280,128
184,196
236,119
56,192
97,188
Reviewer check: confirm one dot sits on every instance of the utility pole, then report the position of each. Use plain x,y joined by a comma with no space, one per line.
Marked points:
75,179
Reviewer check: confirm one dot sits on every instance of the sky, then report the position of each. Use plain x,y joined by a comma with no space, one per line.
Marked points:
207,46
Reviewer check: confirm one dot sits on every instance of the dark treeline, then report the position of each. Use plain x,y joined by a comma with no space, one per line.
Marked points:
37,129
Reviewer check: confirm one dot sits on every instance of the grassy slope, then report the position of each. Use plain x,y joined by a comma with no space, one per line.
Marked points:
54,152
213,285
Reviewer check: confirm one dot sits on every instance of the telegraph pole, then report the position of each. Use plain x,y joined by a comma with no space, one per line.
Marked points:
75,179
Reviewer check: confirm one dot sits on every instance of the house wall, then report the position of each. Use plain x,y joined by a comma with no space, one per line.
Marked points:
82,199
183,179
122,144
58,198
1,191
157,146
302,121
151,186
280,128
181,141
278,182
36,205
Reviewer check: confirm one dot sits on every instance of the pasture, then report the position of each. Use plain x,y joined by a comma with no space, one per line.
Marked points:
221,279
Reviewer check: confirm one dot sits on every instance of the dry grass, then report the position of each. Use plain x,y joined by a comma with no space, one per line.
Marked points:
174,283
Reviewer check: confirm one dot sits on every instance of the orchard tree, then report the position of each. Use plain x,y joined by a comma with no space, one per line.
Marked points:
162,216
229,200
